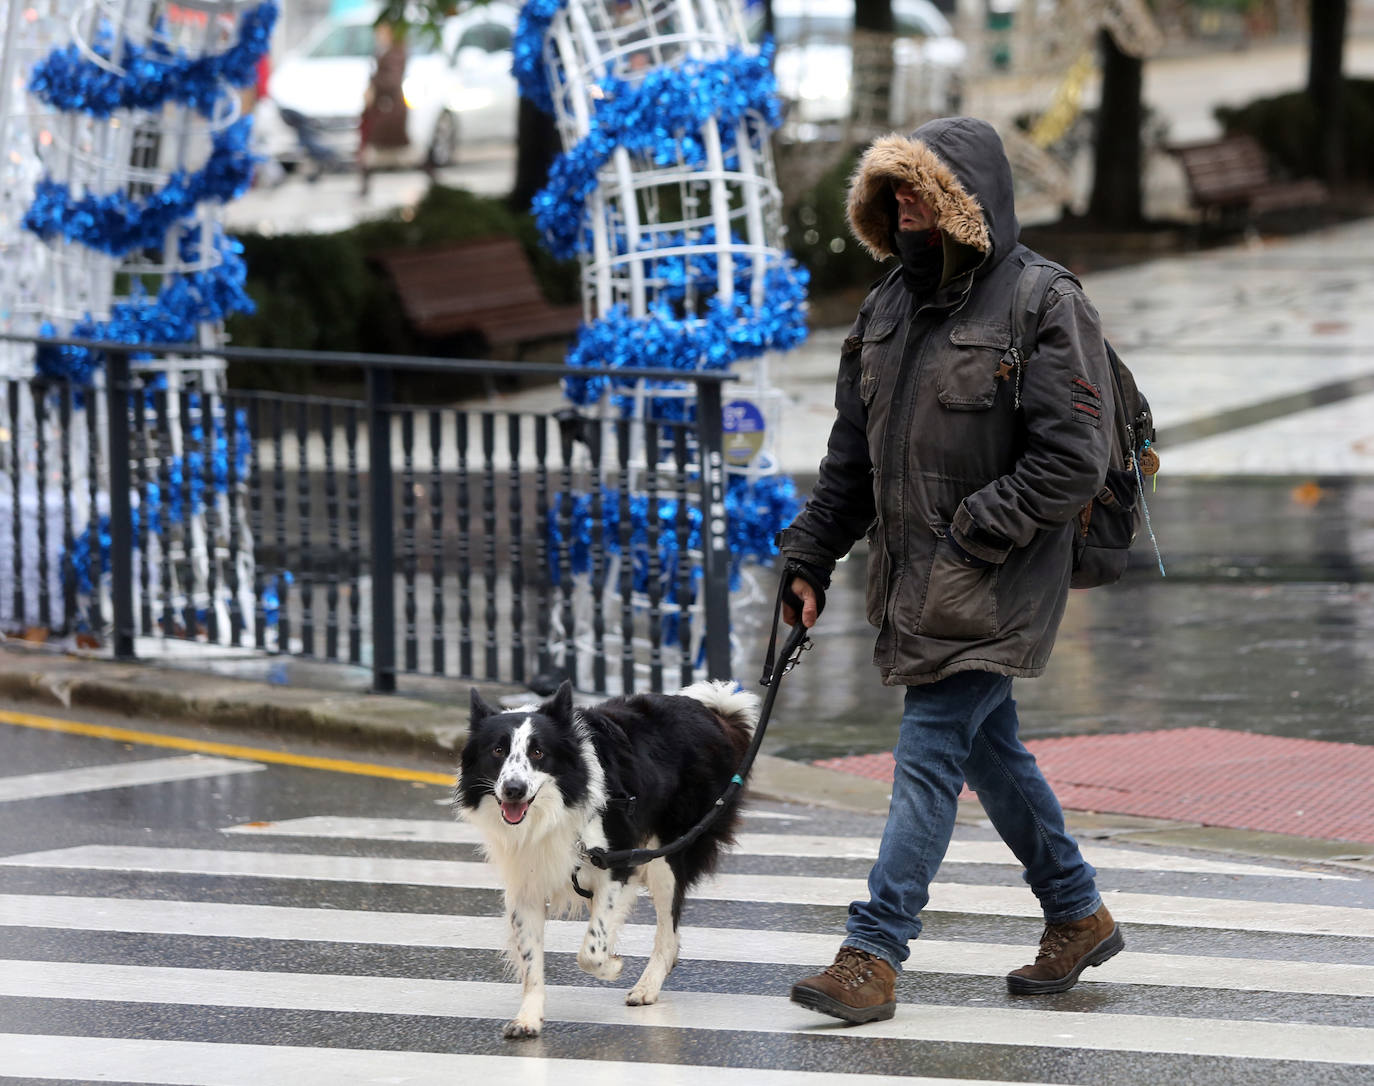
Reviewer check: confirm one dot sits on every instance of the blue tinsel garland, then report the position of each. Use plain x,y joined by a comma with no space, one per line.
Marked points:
183,302
118,225
150,498
725,335
528,50
660,119
152,76
193,465
754,509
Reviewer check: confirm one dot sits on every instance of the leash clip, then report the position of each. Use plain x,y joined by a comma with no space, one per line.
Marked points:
596,857
791,661
797,643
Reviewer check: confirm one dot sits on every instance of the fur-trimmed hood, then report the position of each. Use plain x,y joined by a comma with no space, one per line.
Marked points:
959,166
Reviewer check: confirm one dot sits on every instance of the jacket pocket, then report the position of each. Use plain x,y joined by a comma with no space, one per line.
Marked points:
961,601
969,377
876,340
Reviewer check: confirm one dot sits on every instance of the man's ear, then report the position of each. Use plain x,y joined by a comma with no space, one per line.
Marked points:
481,709
560,707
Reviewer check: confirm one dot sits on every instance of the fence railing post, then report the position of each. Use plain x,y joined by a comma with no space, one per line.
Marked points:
380,384
117,390
715,541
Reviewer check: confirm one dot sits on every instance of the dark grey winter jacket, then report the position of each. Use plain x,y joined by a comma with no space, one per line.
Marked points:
930,442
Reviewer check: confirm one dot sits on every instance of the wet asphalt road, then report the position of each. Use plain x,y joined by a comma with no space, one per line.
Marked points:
1264,623
129,913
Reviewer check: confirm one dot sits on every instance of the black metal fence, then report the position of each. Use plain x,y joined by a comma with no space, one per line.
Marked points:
165,510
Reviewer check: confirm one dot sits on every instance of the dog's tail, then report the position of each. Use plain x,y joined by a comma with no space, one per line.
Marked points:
726,700
737,709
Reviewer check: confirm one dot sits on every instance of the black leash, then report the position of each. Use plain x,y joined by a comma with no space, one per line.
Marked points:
772,671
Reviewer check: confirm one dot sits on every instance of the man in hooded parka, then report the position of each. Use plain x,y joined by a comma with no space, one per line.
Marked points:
965,467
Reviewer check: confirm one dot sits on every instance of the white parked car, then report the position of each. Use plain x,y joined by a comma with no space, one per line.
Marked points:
458,90
814,64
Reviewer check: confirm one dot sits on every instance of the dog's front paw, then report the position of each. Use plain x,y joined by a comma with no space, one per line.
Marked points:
641,995
608,968
520,1029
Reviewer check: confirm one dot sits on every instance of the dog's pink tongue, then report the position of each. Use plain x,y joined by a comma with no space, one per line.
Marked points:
514,813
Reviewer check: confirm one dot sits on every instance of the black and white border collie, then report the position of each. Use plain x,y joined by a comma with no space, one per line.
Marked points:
544,781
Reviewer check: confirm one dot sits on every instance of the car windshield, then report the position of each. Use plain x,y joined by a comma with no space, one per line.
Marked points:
344,41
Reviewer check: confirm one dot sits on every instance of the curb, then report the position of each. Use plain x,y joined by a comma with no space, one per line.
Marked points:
375,721
434,728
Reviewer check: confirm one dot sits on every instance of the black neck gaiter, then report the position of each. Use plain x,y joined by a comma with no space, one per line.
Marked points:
922,254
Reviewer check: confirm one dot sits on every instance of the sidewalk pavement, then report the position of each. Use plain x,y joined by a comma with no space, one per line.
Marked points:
1254,358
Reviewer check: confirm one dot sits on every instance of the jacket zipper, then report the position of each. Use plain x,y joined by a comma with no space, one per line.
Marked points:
897,569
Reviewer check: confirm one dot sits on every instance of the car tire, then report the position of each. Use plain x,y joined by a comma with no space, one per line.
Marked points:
443,145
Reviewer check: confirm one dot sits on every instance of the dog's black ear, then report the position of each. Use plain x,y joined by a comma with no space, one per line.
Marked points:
481,709
560,706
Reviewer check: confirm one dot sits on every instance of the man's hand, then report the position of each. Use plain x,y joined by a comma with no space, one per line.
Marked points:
810,608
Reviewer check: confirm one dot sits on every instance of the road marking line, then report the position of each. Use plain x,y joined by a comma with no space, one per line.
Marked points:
1172,911
98,778
227,750
203,1063
436,831
1233,1038
741,945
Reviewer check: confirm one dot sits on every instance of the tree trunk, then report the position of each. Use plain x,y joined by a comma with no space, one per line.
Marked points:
871,76
536,146
873,15
1325,80
1117,199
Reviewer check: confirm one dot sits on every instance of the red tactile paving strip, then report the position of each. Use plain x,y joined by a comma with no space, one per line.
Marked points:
1218,778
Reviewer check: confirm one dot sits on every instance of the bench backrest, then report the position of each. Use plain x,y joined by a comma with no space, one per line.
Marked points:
447,281
1224,167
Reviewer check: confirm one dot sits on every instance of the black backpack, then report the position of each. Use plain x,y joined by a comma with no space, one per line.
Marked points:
1107,525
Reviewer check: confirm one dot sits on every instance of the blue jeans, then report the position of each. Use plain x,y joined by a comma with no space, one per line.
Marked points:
963,728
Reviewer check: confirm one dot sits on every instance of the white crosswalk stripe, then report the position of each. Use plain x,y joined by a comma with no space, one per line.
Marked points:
433,831
68,782
685,1011
200,1064
699,943
1222,978
1192,912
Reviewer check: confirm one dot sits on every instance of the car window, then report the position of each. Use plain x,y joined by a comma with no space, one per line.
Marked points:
488,37
345,41
421,43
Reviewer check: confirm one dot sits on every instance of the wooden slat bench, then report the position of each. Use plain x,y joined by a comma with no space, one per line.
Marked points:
1231,176
484,286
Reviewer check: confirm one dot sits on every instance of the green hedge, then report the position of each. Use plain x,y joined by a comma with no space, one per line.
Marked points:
818,232
319,292
1285,125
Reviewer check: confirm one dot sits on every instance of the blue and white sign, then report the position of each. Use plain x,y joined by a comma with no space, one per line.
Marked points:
744,429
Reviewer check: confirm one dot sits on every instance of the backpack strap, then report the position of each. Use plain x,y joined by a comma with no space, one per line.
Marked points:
1028,301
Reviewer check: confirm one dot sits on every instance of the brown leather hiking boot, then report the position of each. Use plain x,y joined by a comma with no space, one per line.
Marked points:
857,986
1065,951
